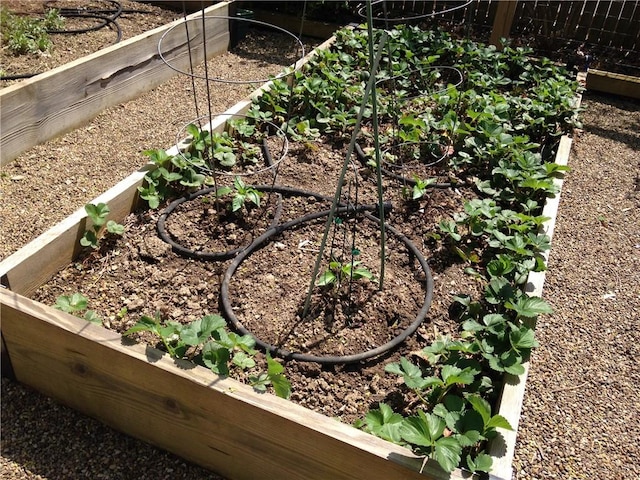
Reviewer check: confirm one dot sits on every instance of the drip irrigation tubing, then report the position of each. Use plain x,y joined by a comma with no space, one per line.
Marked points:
228,312
106,17
200,254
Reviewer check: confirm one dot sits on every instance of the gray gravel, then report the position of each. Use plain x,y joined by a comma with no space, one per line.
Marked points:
581,415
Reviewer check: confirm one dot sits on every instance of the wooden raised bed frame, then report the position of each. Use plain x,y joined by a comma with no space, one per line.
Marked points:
55,102
217,423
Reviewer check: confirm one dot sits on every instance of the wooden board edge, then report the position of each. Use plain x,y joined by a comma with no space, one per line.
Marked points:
36,262
296,25
93,371
89,99
613,83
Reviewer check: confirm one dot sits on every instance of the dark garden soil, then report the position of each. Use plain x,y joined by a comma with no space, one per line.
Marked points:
268,289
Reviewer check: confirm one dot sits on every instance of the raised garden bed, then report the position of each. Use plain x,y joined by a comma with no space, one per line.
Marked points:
52,103
341,447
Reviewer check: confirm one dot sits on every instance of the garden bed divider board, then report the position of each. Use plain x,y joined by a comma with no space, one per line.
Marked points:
47,105
614,83
214,422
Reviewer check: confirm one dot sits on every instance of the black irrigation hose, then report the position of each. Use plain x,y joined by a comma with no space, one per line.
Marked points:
199,254
388,173
228,312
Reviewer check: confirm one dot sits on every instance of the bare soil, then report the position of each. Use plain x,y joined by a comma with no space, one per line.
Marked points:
578,419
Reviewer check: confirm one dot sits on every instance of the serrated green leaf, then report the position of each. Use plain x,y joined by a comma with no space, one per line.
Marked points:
469,438
523,338
216,358
530,307
447,453
384,423
115,228
92,316
145,324
498,421
244,361
481,463
422,430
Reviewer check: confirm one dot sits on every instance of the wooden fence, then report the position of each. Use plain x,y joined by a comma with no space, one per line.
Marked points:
605,23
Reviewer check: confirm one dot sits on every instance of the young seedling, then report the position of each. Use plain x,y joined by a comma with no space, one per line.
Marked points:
338,272
243,195
75,305
419,188
98,216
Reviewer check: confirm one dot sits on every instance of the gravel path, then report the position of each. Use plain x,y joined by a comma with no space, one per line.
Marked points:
581,414
580,417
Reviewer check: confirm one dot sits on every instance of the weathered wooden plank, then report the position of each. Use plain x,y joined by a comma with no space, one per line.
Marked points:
502,21
296,25
215,422
615,83
50,104
39,260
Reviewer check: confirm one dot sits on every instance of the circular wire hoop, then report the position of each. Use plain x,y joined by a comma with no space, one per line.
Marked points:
383,10
229,313
196,33
183,141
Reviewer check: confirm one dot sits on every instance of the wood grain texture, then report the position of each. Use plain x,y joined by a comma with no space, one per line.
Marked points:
613,83
217,423
35,263
48,105
502,21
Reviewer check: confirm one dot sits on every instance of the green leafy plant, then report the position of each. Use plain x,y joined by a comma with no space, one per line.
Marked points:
339,272
419,188
242,195
23,35
75,304
98,215
218,349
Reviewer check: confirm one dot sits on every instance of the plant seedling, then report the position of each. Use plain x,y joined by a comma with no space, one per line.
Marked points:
98,215
337,272
75,305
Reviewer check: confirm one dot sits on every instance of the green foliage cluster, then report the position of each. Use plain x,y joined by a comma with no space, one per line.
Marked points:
499,129
76,304
195,167
339,272
22,34
217,348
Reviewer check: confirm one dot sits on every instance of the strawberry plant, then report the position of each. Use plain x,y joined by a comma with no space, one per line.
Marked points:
76,304
339,272
98,215
23,35
208,342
